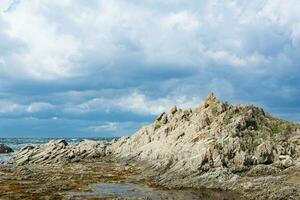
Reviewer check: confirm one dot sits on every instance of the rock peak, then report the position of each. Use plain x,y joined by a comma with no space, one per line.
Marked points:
211,98
174,110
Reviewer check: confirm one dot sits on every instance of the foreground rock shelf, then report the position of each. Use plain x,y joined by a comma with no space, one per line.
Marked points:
53,181
93,179
216,145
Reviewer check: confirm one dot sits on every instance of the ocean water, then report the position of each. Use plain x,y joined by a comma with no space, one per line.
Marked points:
17,143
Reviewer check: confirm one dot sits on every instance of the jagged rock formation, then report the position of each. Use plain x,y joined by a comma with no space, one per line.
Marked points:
216,145
5,149
59,151
215,135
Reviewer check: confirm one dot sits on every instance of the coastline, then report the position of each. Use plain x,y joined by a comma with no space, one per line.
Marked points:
113,169
237,149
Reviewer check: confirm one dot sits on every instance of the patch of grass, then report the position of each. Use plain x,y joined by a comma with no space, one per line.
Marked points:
263,131
198,138
253,145
157,126
226,141
288,130
259,127
276,130
264,134
226,119
218,146
214,110
238,113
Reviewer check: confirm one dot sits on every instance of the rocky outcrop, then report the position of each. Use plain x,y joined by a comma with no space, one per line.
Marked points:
5,149
59,151
216,145
215,135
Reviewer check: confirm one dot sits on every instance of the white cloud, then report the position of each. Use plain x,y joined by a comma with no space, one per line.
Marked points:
138,103
108,126
114,128
48,52
224,57
285,14
181,21
10,107
4,5
63,38
38,106
92,105
135,102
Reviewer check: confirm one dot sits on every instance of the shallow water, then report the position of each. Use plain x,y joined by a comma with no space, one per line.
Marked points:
135,191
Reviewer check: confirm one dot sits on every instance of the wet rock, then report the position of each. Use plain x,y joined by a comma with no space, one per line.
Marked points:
5,149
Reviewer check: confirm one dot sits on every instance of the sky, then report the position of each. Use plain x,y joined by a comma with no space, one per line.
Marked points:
105,68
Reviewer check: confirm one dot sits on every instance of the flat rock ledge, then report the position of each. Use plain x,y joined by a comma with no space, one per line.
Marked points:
5,149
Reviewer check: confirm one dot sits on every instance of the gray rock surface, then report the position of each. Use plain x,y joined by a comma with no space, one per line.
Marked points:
59,151
5,149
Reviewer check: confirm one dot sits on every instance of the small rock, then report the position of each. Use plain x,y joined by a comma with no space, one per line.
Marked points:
174,110
209,100
286,161
164,119
264,153
160,116
263,170
5,149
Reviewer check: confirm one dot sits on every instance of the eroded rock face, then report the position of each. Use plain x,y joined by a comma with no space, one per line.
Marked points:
213,136
5,149
59,151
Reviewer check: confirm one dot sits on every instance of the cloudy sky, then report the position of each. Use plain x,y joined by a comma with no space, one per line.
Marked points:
101,68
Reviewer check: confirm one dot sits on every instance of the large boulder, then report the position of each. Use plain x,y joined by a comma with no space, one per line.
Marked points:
5,149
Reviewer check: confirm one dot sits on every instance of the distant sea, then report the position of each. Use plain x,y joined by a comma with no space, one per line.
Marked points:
17,143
